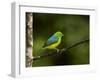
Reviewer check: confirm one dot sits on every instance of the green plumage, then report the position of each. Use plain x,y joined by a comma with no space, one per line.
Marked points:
54,40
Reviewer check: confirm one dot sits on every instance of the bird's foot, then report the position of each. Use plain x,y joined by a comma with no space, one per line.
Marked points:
57,50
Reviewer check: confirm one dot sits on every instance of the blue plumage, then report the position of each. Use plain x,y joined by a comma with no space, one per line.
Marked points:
51,40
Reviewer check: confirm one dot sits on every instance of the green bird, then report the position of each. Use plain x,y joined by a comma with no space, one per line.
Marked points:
54,41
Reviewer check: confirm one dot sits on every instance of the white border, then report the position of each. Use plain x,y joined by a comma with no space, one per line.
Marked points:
19,69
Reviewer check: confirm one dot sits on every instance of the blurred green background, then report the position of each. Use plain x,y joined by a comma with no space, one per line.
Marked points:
75,29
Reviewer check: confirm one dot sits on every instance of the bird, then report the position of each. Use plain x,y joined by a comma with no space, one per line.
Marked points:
54,41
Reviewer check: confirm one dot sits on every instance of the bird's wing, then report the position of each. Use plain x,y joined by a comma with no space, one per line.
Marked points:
51,40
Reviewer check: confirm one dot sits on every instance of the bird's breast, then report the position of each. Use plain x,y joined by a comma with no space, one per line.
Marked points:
54,45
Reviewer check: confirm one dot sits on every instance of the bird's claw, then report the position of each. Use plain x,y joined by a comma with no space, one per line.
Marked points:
57,50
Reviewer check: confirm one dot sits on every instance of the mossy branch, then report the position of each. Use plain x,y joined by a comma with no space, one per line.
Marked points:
60,51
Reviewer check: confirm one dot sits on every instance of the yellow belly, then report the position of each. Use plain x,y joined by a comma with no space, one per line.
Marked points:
52,46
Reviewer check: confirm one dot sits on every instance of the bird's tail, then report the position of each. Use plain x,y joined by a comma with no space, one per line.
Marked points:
44,45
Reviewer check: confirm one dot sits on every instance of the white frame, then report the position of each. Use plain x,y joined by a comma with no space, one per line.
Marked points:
18,41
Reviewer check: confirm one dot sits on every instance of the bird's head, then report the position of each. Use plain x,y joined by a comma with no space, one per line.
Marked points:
59,34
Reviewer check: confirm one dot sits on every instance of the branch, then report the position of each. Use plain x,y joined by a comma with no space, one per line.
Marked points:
60,52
